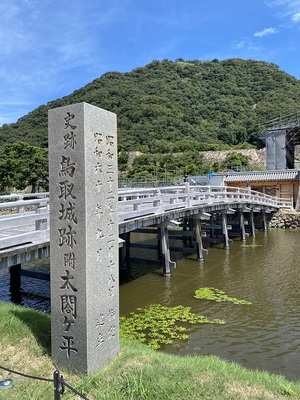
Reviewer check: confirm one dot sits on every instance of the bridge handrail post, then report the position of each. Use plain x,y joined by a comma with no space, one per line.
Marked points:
188,193
249,191
283,203
20,209
208,194
41,224
237,193
157,201
223,192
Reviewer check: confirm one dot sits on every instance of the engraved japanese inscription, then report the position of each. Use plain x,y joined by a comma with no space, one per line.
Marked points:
83,236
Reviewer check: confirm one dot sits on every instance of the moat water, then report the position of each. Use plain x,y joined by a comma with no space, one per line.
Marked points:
264,335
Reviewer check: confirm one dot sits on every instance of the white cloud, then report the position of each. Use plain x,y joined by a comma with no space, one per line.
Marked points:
266,31
283,3
296,17
248,49
286,8
45,47
240,45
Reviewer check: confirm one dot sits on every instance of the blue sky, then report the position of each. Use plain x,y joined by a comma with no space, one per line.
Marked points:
49,48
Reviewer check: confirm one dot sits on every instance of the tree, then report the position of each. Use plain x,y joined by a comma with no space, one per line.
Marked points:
207,102
123,157
23,165
236,160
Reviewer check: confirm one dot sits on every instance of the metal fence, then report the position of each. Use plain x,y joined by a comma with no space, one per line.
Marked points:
59,383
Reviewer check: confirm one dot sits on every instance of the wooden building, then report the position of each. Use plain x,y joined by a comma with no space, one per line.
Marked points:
282,183
280,179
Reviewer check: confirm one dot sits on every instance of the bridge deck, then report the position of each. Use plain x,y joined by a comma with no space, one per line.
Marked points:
24,225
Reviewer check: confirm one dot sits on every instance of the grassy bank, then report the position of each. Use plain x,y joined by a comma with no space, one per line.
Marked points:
137,373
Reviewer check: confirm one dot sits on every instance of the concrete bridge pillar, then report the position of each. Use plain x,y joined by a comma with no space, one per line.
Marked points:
198,239
188,227
264,218
159,246
165,249
212,222
242,225
124,252
252,224
191,229
225,229
15,283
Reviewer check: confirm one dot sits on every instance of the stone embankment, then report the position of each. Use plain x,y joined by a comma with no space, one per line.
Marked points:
285,220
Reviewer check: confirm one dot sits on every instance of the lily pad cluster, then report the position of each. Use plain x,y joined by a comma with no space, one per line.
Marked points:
158,324
207,293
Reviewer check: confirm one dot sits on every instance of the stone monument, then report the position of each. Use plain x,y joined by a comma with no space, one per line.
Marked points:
84,237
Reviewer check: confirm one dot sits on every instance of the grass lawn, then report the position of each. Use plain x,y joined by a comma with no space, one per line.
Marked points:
137,373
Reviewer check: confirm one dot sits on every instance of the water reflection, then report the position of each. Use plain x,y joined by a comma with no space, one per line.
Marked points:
264,335
34,293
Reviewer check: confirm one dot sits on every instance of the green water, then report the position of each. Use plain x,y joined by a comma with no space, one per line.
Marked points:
264,335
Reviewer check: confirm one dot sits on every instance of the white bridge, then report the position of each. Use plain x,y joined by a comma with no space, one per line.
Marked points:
24,219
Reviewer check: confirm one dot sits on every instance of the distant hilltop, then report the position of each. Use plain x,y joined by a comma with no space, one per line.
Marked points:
175,106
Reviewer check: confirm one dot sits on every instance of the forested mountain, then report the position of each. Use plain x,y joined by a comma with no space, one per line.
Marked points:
169,105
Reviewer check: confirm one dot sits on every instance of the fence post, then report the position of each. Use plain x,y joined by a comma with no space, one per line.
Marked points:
57,385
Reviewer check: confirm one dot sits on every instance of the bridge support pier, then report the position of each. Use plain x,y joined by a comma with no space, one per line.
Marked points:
212,230
198,238
242,225
15,283
225,229
264,218
159,247
124,252
188,226
252,224
191,229
165,249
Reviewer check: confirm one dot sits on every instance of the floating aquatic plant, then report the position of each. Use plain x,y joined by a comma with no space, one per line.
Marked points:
213,294
158,324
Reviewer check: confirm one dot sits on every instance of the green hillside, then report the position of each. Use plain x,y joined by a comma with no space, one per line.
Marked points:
170,106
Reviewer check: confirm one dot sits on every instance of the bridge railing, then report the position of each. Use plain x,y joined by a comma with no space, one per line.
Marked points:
24,218
182,195
138,203
240,195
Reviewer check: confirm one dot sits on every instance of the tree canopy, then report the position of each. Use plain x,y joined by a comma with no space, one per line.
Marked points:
23,165
168,110
179,103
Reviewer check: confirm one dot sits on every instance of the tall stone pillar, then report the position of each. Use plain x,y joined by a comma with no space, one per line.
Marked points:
83,237
276,149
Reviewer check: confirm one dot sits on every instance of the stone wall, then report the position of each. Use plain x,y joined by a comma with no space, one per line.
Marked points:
285,220
257,158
